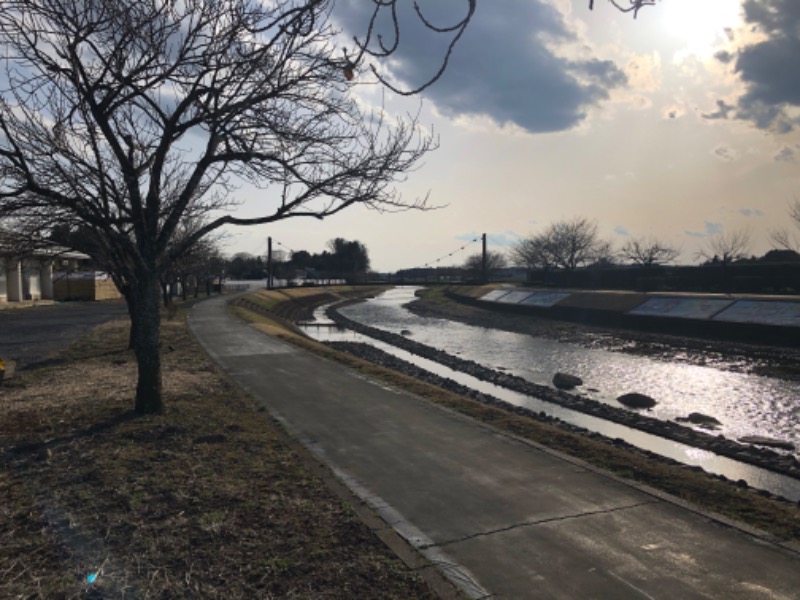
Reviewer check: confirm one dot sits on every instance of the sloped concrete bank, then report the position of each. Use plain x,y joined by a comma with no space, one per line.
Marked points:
618,310
761,457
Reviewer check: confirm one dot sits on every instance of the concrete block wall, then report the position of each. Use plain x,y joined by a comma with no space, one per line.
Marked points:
84,286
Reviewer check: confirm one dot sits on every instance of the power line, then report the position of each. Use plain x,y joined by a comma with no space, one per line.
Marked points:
457,250
428,264
284,246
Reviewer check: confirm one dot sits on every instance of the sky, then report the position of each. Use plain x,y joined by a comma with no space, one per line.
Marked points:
678,125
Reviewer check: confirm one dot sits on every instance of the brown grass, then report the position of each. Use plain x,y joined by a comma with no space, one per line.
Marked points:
207,500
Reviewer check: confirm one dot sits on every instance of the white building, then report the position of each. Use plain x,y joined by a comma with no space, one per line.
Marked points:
30,277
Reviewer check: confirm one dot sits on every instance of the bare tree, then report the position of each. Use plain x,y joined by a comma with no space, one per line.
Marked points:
494,262
127,118
783,237
725,248
193,265
574,243
648,252
130,118
532,253
565,244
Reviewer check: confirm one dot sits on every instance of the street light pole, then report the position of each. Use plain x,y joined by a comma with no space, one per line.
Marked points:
484,275
269,263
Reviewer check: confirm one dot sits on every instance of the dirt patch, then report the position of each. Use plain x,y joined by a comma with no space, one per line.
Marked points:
207,500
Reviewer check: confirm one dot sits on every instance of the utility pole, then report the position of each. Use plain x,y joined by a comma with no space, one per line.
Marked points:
269,263
484,277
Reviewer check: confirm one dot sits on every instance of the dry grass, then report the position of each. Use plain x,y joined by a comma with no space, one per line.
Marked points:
206,500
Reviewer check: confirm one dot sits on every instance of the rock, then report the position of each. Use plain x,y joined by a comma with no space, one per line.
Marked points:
766,441
565,381
699,419
636,400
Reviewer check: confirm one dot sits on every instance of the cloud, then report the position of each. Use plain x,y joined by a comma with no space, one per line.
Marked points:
768,66
504,239
722,112
620,230
710,229
724,57
751,212
643,72
508,65
674,112
725,153
787,154
469,237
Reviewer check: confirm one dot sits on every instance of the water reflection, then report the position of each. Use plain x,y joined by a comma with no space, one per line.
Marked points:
536,359
744,404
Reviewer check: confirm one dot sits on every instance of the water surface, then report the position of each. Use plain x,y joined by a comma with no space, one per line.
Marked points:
738,400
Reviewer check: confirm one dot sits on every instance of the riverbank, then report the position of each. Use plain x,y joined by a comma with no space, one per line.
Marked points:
211,499
754,319
688,483
785,464
737,356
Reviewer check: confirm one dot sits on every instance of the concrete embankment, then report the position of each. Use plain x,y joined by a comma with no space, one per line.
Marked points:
756,319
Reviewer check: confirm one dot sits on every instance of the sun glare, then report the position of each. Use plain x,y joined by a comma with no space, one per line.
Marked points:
699,24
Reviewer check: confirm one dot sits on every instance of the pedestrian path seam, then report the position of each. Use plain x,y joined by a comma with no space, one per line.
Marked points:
540,522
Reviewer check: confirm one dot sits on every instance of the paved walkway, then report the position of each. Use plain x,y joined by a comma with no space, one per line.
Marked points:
502,517
32,333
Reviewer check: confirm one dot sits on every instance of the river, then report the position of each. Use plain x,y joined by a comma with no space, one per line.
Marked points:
745,404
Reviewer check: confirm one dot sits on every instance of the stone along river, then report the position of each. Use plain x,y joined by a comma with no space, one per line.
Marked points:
744,404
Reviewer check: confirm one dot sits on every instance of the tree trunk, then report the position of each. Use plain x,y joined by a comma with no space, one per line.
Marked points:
165,292
144,307
130,300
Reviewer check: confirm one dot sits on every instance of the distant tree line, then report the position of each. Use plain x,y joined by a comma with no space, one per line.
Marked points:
571,253
343,259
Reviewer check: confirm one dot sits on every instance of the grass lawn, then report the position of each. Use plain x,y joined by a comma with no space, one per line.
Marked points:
209,500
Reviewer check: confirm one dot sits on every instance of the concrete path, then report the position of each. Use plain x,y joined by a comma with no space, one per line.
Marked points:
502,517
31,334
